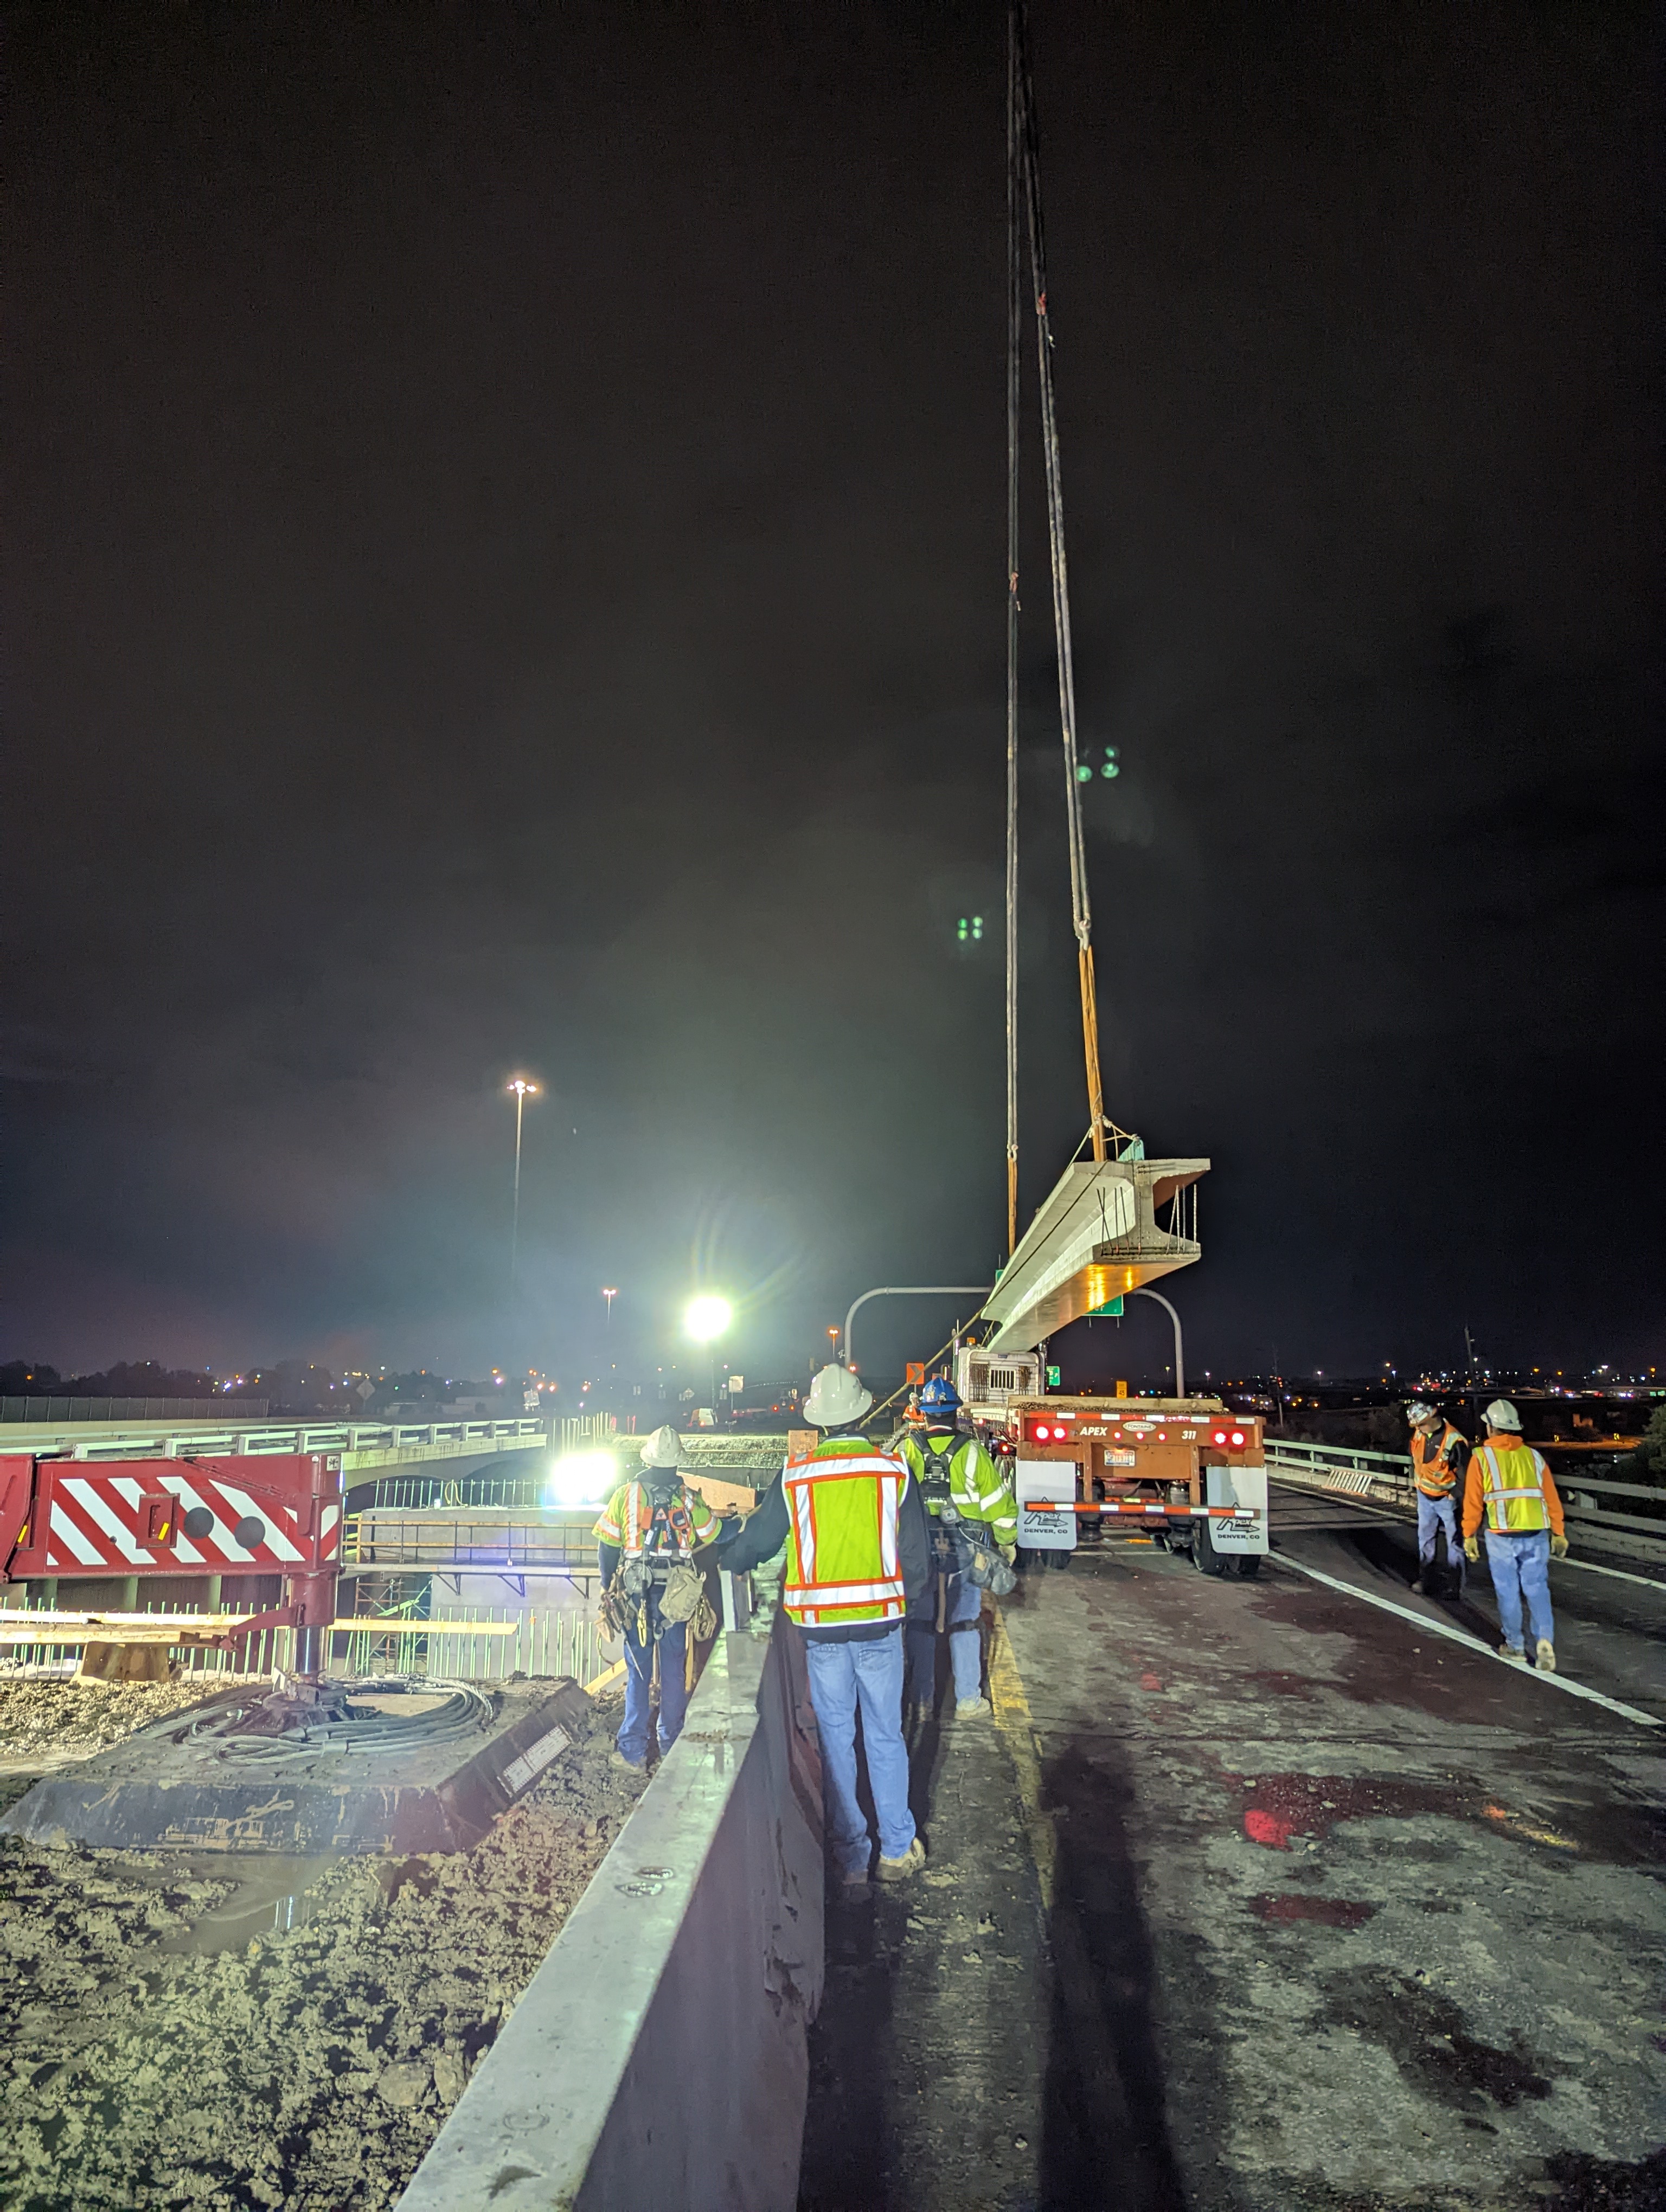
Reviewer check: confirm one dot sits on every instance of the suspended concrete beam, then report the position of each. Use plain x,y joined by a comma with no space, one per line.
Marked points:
1095,1239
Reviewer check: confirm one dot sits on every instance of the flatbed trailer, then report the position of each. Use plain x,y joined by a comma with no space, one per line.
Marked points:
1185,1471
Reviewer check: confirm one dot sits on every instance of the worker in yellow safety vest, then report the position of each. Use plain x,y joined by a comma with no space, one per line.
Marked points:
974,1525
1439,1457
858,1549
645,1544
1511,1489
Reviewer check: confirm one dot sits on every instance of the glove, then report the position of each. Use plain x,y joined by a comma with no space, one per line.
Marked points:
1472,1549
1009,1553
1558,1547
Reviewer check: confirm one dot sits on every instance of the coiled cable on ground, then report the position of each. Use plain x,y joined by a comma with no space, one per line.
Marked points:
466,1711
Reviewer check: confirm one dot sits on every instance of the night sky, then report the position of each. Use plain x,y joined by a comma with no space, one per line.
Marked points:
505,546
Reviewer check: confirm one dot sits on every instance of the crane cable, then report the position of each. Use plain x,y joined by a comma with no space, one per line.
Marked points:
1024,153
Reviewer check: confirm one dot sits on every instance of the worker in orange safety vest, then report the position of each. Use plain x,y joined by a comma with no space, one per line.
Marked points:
1439,1457
1511,1489
648,1530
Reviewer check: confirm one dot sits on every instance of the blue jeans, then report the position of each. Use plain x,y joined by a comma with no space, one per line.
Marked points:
843,1676
1434,1513
636,1736
1521,1569
964,1604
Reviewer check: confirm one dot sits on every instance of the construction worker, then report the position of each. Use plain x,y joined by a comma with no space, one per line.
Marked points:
858,1549
1439,1457
972,1505
1511,1489
647,1531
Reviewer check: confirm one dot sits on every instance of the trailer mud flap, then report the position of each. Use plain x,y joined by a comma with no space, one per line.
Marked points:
1047,1505
1245,1488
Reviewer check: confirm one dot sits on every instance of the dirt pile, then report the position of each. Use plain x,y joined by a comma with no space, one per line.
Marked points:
54,1715
310,2070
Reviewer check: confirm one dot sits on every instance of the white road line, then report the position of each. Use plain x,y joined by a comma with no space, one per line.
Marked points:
1471,1643
1648,1582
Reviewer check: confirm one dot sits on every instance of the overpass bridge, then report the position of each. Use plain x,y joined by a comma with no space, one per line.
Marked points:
365,1447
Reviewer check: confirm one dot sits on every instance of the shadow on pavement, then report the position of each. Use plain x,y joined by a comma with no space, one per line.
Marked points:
1104,2132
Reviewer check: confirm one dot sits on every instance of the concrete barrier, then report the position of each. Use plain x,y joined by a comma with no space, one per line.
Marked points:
658,2057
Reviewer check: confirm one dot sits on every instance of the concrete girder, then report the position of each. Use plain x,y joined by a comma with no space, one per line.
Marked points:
1095,1238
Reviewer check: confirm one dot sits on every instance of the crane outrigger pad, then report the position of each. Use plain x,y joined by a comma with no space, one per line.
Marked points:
1095,1238
344,1770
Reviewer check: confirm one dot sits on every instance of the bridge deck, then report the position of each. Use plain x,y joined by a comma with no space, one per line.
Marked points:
1256,1896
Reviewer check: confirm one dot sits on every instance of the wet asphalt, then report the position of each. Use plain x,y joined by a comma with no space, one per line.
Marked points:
1255,1897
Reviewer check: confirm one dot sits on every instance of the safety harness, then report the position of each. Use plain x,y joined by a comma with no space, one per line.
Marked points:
960,1545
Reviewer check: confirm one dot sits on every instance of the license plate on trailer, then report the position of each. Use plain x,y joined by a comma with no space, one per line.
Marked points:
1122,1459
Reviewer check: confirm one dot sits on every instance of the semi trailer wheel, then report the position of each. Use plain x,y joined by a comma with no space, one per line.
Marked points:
1250,1564
1205,1558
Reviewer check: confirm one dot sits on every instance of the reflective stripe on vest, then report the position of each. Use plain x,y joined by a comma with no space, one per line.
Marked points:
1515,1490
631,1527
842,1558
1435,1479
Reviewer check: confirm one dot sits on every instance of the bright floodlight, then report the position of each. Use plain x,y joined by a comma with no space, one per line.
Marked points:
583,1478
708,1317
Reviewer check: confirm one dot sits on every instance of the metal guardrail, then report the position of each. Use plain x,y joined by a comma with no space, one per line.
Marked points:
349,1437
1393,1471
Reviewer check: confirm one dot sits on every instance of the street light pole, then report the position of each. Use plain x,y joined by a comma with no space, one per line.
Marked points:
1179,1344
706,1319
523,1090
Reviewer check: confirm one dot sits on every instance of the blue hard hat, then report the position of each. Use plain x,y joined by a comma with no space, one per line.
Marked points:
940,1396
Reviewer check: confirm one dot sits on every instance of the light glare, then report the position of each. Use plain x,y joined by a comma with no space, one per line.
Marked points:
582,1478
706,1317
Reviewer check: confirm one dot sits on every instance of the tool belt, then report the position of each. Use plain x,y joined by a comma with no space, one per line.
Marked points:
967,1548
984,1565
626,1606
684,1598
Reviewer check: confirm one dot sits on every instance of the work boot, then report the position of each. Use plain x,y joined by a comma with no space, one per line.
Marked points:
1420,1588
854,1877
1514,1653
910,1863
1545,1652
972,1708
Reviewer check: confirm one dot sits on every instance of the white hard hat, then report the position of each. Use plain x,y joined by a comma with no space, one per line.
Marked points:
1501,1414
835,1397
663,1448
1420,1411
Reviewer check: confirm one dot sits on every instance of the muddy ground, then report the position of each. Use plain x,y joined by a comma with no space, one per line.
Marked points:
49,1715
153,2053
